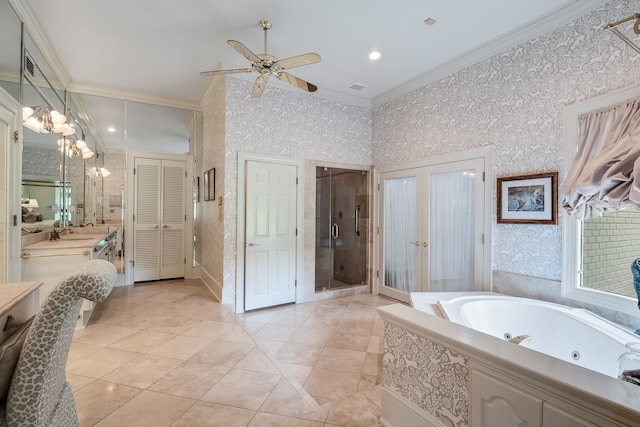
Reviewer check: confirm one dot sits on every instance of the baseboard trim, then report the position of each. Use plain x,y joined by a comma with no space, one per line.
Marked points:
400,412
214,286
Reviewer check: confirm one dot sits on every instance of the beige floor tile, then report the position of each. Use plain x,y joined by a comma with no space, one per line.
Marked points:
243,389
223,353
237,334
276,332
101,362
98,399
341,360
269,420
346,341
142,371
78,381
142,341
354,411
299,354
170,296
148,409
105,335
376,345
332,384
292,372
378,328
181,347
263,317
372,364
355,326
206,414
209,329
173,325
287,400
140,321
371,387
253,327
257,361
310,336
79,350
190,380
291,320
269,346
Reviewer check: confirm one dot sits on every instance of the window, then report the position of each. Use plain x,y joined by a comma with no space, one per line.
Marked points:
598,252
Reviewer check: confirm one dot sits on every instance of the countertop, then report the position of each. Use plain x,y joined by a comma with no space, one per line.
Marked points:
12,293
68,241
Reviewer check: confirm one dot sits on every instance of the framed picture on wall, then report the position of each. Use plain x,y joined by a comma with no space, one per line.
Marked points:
528,199
196,189
205,184
210,184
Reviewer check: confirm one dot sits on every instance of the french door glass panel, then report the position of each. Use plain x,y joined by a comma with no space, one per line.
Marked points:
452,214
400,213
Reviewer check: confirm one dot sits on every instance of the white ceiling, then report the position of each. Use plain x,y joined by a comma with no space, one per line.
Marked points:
157,48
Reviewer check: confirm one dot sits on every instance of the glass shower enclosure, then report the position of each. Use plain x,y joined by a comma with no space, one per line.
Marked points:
342,225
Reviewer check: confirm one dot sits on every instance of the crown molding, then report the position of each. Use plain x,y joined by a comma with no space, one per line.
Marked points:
215,82
27,15
134,97
543,24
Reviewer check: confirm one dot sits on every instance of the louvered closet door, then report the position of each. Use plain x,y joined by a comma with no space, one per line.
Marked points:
173,218
147,220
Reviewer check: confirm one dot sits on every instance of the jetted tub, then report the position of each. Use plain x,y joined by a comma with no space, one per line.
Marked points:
574,335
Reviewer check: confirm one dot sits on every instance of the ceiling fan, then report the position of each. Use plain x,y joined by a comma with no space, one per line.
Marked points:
268,65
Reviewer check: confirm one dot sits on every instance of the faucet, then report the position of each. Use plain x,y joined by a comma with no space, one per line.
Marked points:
55,234
520,339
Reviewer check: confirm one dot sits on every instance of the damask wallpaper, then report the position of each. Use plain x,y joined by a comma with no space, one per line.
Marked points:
514,102
434,378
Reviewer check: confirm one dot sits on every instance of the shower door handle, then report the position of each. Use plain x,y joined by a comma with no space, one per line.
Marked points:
357,220
335,231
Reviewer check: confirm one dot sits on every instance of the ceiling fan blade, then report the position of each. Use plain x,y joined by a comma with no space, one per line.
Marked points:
233,71
297,61
244,51
259,86
297,82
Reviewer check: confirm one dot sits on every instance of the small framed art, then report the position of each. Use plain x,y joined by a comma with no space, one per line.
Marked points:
528,199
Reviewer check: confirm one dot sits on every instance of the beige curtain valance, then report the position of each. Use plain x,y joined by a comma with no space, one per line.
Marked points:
605,174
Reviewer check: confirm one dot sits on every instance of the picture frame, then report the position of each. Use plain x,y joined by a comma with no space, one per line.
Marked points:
196,189
528,199
210,184
205,186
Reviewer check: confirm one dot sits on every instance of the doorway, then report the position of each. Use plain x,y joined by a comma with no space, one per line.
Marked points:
342,224
433,222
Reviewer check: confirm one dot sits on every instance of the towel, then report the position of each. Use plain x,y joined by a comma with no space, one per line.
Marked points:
635,270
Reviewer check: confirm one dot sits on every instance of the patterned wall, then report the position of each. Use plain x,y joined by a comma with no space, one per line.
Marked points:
211,223
41,161
434,378
289,124
513,102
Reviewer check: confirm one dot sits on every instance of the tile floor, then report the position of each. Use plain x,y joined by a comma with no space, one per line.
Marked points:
166,354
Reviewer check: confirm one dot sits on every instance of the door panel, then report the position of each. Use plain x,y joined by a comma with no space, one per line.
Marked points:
173,219
270,233
147,220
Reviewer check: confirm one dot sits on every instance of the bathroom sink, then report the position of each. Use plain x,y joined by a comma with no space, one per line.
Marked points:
76,237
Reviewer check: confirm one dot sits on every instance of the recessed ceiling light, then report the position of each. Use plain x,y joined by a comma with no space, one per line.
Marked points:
357,86
430,21
111,129
374,55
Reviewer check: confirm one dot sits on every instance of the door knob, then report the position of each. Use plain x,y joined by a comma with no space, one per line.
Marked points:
165,226
252,244
417,243
156,227
425,244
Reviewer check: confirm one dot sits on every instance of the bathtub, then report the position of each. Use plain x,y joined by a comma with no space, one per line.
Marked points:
574,335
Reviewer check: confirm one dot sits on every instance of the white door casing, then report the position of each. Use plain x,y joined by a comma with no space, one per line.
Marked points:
270,234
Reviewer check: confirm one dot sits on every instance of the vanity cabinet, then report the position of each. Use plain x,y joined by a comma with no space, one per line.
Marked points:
49,262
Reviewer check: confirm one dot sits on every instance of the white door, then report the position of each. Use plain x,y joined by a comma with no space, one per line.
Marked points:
159,217
270,234
432,225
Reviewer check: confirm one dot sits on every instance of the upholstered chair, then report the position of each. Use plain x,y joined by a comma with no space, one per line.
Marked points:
39,395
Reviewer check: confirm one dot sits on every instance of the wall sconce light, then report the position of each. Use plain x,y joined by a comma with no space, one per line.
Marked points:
100,171
74,147
45,120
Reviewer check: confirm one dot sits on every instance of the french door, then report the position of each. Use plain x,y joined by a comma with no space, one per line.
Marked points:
431,229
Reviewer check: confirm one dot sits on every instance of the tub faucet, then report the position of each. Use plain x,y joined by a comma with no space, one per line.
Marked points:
520,339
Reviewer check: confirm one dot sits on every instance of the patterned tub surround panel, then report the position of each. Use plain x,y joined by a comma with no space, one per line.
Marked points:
432,377
513,101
